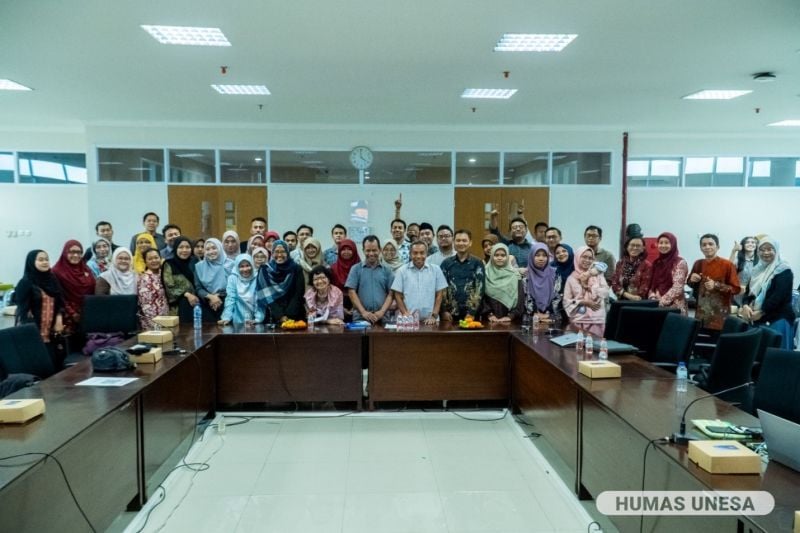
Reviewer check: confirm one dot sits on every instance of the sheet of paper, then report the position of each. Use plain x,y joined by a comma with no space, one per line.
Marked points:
106,382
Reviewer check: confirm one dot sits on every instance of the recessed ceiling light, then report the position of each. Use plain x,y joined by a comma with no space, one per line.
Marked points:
503,94
259,159
534,42
8,85
715,94
790,122
241,89
472,160
187,35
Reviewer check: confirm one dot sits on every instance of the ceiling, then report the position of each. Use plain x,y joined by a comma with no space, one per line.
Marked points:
403,63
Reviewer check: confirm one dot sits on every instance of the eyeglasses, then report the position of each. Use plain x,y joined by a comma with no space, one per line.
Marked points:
74,252
592,236
517,226
445,236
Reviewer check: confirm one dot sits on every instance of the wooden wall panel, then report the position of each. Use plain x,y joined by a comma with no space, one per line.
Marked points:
473,204
186,208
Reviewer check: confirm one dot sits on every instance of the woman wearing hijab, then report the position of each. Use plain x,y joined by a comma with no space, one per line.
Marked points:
540,282
310,256
99,261
503,299
631,278
39,299
177,275
120,277
256,241
280,286
76,281
390,255
240,296
669,274
260,258
346,259
324,300
769,294
211,279
144,241
270,237
198,250
564,263
150,291
585,295
230,243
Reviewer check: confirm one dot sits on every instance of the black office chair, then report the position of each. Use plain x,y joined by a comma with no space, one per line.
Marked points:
707,342
22,351
612,317
769,339
675,341
731,365
641,326
110,314
778,387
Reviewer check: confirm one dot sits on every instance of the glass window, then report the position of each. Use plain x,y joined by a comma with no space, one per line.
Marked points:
588,168
525,168
6,167
655,172
242,166
418,168
192,166
478,168
714,172
774,172
310,166
130,164
52,168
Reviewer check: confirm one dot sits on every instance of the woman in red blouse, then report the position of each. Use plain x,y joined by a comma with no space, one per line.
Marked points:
631,278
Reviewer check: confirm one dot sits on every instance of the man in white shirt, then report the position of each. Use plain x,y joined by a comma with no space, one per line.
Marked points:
419,285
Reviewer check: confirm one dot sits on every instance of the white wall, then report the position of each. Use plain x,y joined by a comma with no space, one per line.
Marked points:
729,213
574,208
52,214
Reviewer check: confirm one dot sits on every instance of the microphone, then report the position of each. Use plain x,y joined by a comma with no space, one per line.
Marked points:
681,437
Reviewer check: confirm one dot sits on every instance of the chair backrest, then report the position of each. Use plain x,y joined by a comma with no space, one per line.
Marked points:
732,363
676,339
612,317
769,339
778,387
733,324
641,326
109,314
23,351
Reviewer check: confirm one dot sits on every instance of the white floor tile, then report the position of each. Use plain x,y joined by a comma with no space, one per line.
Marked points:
290,513
391,476
230,479
467,445
309,446
394,513
456,474
302,478
375,445
203,513
498,511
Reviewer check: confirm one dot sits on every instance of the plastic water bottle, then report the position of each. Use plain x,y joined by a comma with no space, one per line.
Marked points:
579,342
310,320
415,320
683,377
526,323
589,345
603,349
197,315
535,320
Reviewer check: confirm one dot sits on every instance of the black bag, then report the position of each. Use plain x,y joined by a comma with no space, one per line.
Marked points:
111,360
60,349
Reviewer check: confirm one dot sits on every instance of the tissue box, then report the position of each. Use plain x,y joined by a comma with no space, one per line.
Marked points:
166,321
724,457
797,522
599,369
151,357
20,411
162,336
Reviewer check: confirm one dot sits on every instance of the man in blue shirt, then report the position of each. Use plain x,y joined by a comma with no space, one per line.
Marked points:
369,283
419,286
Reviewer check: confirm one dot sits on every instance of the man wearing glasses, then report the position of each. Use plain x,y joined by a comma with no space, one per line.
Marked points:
518,245
592,236
444,237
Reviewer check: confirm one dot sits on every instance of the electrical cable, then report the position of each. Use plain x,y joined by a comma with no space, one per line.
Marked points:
660,440
63,475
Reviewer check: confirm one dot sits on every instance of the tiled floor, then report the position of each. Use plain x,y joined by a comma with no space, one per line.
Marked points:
389,472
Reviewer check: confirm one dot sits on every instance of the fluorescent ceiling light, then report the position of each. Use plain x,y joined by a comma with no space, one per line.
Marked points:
791,122
190,155
8,85
715,94
110,162
187,35
241,89
503,94
430,154
138,168
533,42
259,159
472,160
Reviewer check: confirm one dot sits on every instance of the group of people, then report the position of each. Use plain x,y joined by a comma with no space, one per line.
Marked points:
273,278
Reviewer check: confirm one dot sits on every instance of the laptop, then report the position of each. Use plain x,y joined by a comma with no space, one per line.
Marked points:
781,436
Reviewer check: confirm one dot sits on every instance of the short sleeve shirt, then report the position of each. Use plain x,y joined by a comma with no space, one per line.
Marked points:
372,284
419,286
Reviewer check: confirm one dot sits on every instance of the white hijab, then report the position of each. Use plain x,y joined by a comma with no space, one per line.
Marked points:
120,282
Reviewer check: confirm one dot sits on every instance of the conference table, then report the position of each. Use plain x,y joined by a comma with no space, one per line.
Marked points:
117,444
